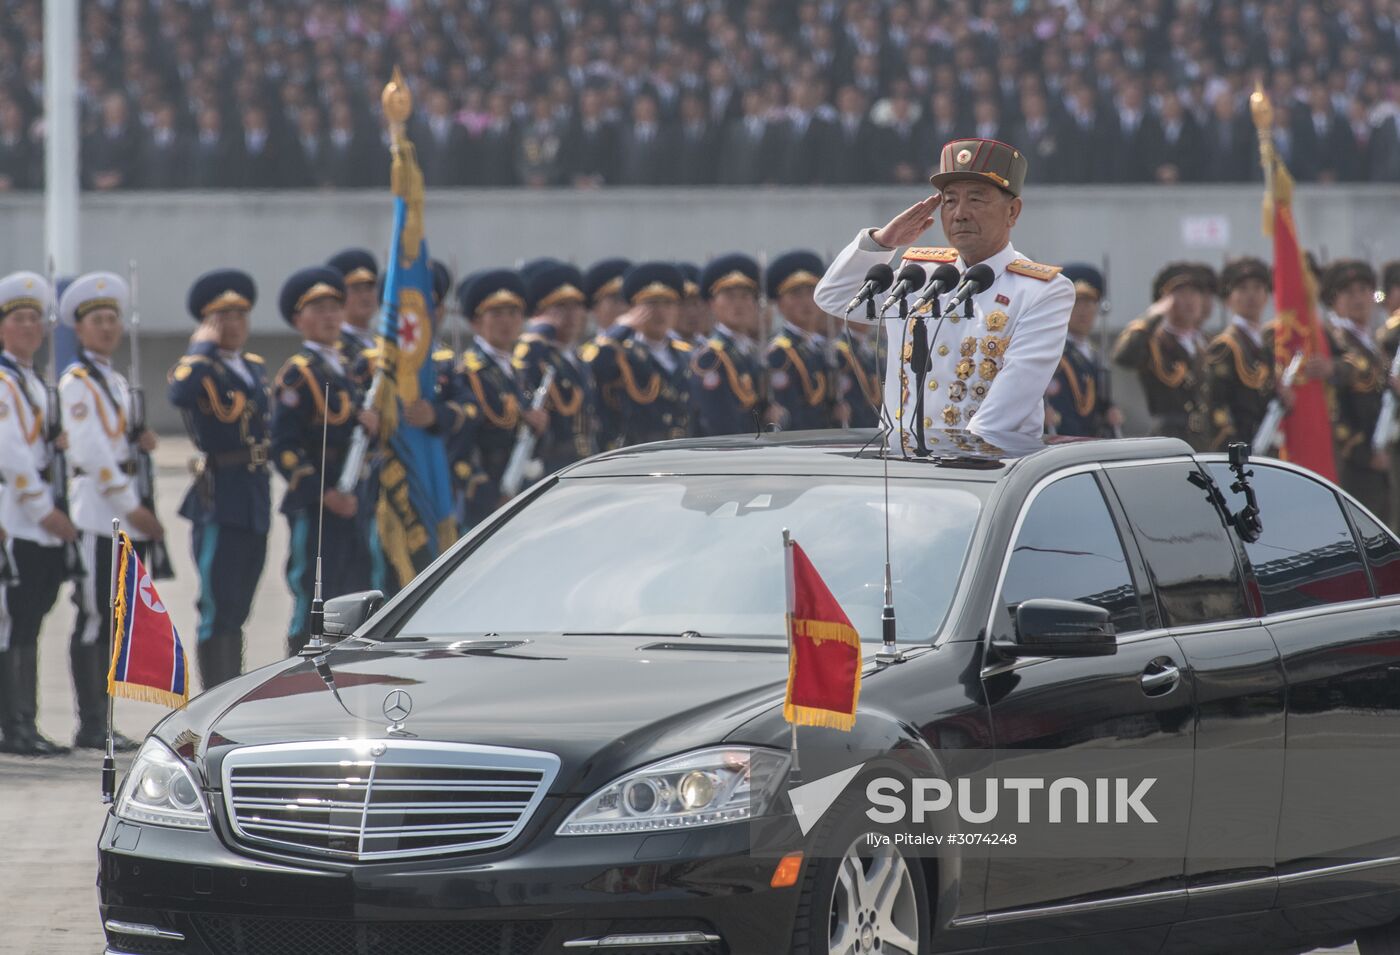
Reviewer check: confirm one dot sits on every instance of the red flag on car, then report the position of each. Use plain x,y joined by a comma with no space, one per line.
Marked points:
1307,428
148,662
823,650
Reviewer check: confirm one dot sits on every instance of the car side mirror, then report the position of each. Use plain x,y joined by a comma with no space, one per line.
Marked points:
345,615
1060,628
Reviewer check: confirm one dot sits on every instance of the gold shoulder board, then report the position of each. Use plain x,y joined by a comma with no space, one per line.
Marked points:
473,362
1033,270
255,359
443,354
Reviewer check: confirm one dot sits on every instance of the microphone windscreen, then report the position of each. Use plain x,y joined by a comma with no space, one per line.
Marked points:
980,275
913,275
882,275
946,275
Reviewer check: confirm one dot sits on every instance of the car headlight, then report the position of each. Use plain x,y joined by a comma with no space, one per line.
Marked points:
704,788
161,790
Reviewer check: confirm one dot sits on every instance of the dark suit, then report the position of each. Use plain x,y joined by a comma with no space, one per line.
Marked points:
105,152
1321,146
697,155
747,158
441,154
847,156
1231,153
647,157
17,163
592,150
491,157
164,164
1042,145
1181,147
802,141
1128,153
210,164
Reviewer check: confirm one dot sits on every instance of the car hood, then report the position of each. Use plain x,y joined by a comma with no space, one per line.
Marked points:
603,704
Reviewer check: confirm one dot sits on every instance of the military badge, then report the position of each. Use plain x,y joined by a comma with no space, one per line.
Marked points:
979,390
289,460
79,411
21,483
1003,299
964,369
987,369
957,390
997,320
942,351
908,352
182,371
104,475
951,416
993,347
969,347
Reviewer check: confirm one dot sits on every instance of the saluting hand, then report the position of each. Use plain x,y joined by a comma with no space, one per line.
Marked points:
913,222
1162,306
208,331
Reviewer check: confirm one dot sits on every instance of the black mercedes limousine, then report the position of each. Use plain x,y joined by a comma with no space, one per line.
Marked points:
567,735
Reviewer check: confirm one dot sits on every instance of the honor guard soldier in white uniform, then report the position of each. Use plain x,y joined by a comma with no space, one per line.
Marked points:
993,357
96,400
222,392
37,531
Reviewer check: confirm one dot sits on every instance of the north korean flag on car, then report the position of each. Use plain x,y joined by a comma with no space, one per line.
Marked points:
823,650
148,662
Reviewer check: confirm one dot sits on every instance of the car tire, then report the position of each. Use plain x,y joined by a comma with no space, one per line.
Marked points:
839,908
1384,940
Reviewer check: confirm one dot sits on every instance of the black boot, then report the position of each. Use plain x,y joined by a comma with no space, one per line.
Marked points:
25,672
233,655
211,665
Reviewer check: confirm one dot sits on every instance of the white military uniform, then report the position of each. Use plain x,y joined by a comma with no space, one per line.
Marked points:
988,372
24,422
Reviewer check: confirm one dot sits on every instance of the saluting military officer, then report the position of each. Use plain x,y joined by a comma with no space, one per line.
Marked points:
95,400
1079,403
37,530
1360,380
799,367
314,394
222,392
488,381
602,284
643,372
1240,379
727,387
360,273
693,324
993,358
1166,349
551,339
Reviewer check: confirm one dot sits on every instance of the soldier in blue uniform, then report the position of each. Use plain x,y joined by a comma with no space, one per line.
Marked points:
1077,397
857,374
799,368
487,379
694,324
727,390
643,372
602,285
222,392
313,302
555,290
361,275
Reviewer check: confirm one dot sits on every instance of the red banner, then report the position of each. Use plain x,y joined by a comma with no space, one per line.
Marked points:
824,655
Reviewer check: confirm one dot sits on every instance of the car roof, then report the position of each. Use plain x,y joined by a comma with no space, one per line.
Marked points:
957,455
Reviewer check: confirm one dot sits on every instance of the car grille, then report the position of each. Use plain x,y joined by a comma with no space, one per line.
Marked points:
383,799
227,935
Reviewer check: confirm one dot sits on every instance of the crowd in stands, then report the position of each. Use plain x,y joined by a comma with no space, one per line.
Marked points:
180,94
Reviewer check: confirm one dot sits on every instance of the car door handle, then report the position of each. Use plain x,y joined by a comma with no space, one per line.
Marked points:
1160,678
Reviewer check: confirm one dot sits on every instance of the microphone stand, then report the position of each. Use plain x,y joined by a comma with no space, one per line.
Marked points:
919,359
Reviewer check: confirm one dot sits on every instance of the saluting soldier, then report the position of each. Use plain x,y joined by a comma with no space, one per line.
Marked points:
1390,344
995,354
1240,361
1166,349
222,392
1079,403
360,272
857,378
727,390
551,339
96,399
693,324
799,369
314,395
643,372
602,284
37,530
1360,380
488,381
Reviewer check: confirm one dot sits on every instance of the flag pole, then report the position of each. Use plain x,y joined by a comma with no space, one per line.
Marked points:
109,762
794,771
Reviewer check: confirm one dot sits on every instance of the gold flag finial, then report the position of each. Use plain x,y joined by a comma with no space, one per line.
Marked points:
396,99
1261,109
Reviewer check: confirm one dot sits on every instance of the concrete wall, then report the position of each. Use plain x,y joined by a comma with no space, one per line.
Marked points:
175,236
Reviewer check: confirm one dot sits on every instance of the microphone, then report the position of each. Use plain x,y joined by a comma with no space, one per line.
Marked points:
912,276
944,278
975,281
879,278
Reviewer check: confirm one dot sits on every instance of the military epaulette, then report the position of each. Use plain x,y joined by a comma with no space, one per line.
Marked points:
681,346
371,353
528,337
443,354
300,361
1033,270
716,343
76,370
930,254
473,362
1394,320
782,341
255,359
522,349
588,351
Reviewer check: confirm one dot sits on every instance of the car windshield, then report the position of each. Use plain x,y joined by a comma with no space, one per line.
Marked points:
666,555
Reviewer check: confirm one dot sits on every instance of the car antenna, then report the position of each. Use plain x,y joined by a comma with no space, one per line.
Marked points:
316,645
889,650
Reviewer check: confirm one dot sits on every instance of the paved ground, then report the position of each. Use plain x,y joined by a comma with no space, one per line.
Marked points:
50,812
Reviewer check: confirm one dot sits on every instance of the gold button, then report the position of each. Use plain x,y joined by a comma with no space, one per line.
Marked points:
928,422
942,350
955,319
932,385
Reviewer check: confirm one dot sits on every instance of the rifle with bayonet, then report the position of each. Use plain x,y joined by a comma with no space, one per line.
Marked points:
1267,435
73,568
522,463
159,556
